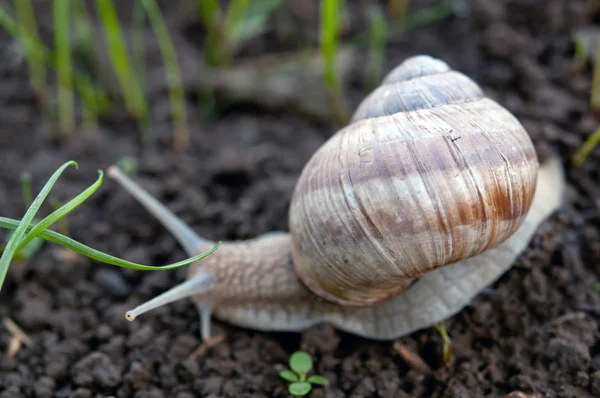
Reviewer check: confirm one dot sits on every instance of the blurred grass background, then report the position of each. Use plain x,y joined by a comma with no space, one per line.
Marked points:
82,95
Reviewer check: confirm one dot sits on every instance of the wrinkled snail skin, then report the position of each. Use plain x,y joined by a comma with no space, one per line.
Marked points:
396,222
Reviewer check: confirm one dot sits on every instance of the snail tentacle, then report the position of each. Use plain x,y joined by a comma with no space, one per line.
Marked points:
189,240
201,284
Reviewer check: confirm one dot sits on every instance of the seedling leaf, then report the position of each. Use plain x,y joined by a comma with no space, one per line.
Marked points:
23,226
61,212
289,375
301,362
300,388
97,255
314,379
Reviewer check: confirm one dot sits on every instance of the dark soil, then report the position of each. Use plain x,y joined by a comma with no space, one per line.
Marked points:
534,331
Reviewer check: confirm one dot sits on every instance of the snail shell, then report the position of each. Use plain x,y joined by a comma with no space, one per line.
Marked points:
429,172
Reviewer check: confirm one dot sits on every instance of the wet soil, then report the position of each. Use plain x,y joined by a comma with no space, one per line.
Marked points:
534,332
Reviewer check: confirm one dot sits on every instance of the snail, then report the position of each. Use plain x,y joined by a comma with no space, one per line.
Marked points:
396,222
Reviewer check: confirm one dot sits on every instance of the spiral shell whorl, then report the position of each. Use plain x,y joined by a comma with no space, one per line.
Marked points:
429,172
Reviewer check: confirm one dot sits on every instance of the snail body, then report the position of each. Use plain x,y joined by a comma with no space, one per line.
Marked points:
396,222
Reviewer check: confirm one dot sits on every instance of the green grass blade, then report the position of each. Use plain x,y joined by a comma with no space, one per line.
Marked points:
23,225
139,65
94,254
255,20
63,224
61,212
330,15
26,189
236,14
377,39
176,93
17,31
35,57
587,148
131,91
85,37
62,42
81,80
215,53
330,10
595,95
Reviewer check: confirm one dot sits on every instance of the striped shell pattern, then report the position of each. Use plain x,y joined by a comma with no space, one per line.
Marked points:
430,171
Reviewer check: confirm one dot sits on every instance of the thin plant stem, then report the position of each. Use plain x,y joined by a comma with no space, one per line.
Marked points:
377,43
139,65
62,42
35,57
83,30
330,10
176,93
130,88
214,51
587,147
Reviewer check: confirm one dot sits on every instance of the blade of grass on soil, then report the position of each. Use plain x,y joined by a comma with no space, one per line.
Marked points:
176,93
236,13
377,39
97,255
29,250
85,41
415,20
330,15
139,64
254,21
587,148
60,212
24,232
62,42
130,87
16,30
35,57
214,48
23,225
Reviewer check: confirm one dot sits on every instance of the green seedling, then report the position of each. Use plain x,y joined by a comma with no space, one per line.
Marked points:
301,383
329,31
25,232
84,55
34,57
582,47
35,245
90,95
128,81
377,40
62,43
225,32
420,18
139,63
446,343
169,55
